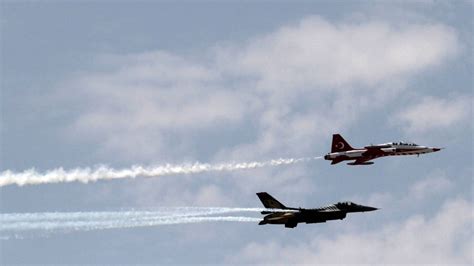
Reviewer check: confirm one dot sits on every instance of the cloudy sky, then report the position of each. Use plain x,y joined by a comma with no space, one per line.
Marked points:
121,84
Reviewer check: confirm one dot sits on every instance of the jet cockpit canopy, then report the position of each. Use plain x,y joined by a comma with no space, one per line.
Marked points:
345,204
401,143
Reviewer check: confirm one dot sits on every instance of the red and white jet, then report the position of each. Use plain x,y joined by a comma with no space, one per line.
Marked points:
342,151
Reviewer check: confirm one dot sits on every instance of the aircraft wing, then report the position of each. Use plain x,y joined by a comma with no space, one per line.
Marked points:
281,217
362,161
378,150
374,150
280,211
379,146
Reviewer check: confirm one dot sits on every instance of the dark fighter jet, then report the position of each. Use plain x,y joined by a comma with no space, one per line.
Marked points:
290,217
342,151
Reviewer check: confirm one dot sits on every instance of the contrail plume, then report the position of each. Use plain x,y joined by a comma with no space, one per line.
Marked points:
99,224
51,222
86,175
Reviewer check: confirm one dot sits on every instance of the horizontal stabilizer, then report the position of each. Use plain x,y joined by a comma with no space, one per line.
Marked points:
362,163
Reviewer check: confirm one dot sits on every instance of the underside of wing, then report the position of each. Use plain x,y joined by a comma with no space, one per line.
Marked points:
280,217
371,150
362,161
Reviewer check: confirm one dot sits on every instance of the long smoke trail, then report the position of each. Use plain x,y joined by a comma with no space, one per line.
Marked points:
53,222
85,175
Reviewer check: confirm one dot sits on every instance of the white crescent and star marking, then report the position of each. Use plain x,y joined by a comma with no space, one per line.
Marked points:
340,145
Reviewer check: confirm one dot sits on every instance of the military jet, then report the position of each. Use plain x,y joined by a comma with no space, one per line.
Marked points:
342,151
290,217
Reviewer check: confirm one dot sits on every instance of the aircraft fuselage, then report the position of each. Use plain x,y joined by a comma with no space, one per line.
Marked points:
342,151
303,216
278,213
392,150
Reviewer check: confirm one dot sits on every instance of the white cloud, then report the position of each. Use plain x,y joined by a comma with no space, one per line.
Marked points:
445,238
425,191
293,85
435,113
318,77
136,110
430,186
319,53
279,94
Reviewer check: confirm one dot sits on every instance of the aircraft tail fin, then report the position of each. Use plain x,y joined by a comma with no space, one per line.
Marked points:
270,202
339,144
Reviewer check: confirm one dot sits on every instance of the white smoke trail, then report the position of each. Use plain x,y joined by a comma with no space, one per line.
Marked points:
85,175
120,219
45,228
87,225
18,224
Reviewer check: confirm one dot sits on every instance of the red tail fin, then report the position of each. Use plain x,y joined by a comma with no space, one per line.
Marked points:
339,144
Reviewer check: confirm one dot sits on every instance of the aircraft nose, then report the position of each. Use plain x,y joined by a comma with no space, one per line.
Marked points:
368,208
436,149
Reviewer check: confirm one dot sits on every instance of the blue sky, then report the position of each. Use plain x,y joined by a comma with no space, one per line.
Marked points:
121,84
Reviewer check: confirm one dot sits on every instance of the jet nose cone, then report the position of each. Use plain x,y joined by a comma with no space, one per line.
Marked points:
368,209
437,149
